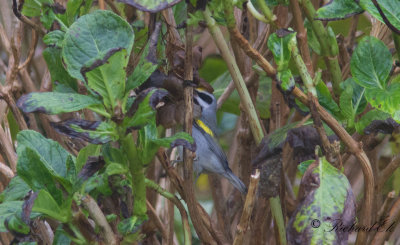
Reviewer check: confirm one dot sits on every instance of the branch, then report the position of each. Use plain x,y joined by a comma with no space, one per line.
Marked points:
392,219
95,212
302,35
185,221
8,149
328,45
160,226
388,171
247,209
32,49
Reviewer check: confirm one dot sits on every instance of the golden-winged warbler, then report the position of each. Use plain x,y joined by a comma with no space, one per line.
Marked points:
210,158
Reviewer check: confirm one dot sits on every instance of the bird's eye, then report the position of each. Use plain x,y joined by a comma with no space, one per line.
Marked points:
207,98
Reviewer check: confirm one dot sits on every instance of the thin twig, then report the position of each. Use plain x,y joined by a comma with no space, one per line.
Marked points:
95,212
391,221
32,49
185,220
248,209
302,36
154,217
388,171
113,7
6,171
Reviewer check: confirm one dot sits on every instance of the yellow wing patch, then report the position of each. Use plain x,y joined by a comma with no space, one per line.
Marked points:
205,127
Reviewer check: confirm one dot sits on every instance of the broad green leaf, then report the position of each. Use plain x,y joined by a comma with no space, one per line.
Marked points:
32,8
61,237
302,167
271,3
47,18
116,168
55,38
390,8
281,47
46,205
152,6
95,132
15,224
371,63
85,153
129,225
325,98
107,76
35,173
92,36
338,9
312,38
114,155
145,111
212,67
387,100
59,76
52,155
149,143
54,102
368,118
352,101
329,199
15,191
8,209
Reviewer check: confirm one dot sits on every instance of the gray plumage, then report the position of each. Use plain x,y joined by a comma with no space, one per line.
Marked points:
210,158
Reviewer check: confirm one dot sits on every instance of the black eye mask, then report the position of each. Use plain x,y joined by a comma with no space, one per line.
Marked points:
208,99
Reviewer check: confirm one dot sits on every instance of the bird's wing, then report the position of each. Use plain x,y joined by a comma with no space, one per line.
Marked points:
214,147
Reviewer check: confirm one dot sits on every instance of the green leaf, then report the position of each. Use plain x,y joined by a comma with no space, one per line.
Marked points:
338,9
95,132
371,63
32,8
312,38
325,98
152,6
368,118
8,209
46,205
32,169
92,36
47,18
329,200
59,76
15,224
352,101
302,167
145,111
85,153
129,225
280,47
51,154
390,9
149,143
54,102
55,38
61,237
116,168
142,71
107,76
386,100
15,191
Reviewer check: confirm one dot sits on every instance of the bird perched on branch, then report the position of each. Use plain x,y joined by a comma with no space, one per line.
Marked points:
210,158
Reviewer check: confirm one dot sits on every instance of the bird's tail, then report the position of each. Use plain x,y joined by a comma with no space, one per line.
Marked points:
235,181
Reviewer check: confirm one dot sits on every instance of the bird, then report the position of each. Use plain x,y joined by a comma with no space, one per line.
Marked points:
210,158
